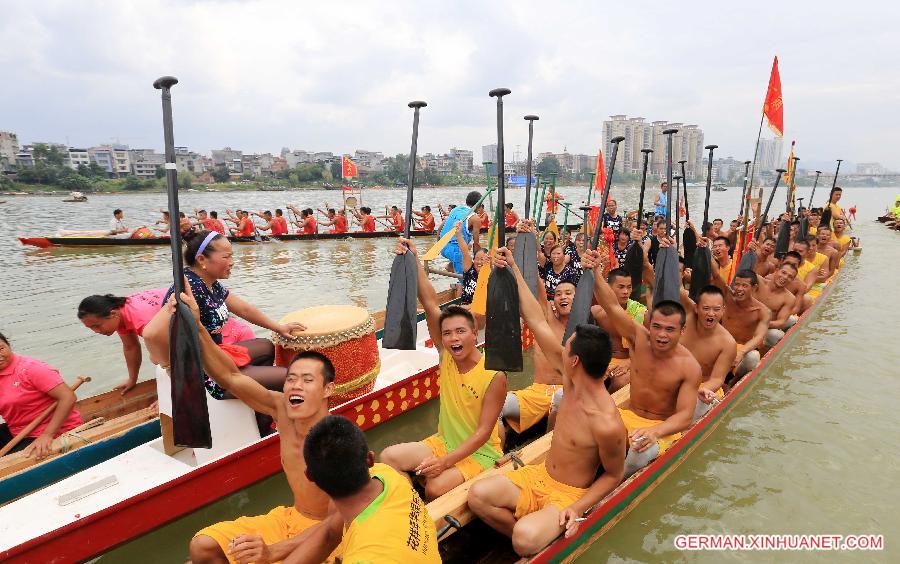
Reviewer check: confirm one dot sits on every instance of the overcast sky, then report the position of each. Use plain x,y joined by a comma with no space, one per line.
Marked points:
337,76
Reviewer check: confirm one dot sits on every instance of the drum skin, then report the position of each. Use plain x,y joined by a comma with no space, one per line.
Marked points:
344,334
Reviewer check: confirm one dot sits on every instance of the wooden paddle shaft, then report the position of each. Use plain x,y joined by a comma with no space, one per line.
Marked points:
711,148
640,217
40,418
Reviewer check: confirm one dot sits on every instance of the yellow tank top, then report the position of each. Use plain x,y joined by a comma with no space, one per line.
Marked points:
462,396
725,272
805,268
395,527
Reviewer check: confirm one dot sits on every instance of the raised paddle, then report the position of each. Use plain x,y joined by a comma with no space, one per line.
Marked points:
584,291
815,183
700,272
744,195
502,330
526,243
688,237
677,179
748,259
400,313
190,415
664,289
21,435
634,258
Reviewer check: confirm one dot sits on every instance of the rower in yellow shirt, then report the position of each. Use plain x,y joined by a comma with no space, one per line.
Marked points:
467,440
379,517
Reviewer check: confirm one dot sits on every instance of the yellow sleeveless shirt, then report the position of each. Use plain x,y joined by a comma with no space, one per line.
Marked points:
462,397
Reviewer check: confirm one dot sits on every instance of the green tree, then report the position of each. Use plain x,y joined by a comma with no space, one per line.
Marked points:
335,170
548,165
49,155
185,180
74,182
220,174
160,172
133,184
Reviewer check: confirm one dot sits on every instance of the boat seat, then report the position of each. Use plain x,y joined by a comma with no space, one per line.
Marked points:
232,423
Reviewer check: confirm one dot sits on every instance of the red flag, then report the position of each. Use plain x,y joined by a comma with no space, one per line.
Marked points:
345,187
600,173
348,167
773,108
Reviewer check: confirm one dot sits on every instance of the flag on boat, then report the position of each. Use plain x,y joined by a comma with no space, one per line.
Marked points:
773,107
600,173
345,187
348,167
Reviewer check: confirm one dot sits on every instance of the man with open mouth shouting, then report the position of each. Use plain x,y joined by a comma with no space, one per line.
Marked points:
302,404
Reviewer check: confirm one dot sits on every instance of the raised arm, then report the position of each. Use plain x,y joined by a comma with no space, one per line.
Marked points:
622,322
532,312
464,249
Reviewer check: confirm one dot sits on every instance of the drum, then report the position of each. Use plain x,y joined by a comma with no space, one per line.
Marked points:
346,335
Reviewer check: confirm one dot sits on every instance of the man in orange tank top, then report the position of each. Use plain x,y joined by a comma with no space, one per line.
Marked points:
337,221
512,218
426,221
279,223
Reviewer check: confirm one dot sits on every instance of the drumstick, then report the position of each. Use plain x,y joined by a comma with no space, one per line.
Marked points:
37,420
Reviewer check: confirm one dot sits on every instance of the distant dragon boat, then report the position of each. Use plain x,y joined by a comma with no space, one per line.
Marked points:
81,241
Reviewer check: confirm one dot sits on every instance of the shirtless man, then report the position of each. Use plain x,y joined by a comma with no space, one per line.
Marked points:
619,368
304,401
711,344
746,318
765,257
534,504
526,407
773,293
665,376
467,440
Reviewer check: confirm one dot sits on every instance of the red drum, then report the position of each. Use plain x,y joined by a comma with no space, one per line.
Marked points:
346,335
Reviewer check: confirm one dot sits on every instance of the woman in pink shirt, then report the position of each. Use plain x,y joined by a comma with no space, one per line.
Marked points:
127,317
27,388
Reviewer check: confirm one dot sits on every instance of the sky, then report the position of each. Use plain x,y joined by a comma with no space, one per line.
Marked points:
337,76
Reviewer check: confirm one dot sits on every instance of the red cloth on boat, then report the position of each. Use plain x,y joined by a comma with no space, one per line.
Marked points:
240,355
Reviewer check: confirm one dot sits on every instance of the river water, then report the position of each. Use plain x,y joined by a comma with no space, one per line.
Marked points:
812,450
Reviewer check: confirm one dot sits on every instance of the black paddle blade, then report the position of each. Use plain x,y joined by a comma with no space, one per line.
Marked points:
524,255
826,217
783,242
689,240
400,315
581,305
190,416
634,265
700,272
803,232
502,330
667,280
748,261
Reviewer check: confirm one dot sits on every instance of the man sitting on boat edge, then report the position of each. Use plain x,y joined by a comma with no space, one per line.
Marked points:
302,403
665,376
467,441
536,503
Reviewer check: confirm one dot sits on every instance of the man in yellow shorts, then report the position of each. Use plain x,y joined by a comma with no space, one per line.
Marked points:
379,517
303,403
526,407
665,376
534,504
467,441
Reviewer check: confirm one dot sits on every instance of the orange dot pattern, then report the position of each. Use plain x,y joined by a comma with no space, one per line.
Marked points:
368,412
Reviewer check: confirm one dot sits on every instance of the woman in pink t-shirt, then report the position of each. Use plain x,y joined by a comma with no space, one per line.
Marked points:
27,388
127,317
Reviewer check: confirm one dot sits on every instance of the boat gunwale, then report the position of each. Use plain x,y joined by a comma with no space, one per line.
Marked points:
631,492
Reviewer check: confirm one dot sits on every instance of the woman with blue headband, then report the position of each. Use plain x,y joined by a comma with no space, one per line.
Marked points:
208,258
